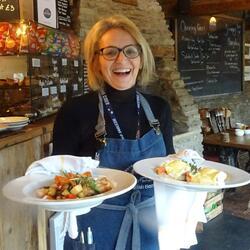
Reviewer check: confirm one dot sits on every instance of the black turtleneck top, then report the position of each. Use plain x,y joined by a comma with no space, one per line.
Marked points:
74,129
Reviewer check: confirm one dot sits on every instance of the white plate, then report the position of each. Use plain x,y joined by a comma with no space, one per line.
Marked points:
16,124
235,176
3,128
14,120
16,127
23,189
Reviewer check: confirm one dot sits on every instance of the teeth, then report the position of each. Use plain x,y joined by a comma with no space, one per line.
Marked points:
121,71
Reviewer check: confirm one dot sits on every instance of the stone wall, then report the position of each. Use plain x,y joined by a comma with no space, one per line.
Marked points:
150,19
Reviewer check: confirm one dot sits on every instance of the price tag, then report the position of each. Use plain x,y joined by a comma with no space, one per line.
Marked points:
75,87
53,90
63,88
76,63
45,91
36,63
64,61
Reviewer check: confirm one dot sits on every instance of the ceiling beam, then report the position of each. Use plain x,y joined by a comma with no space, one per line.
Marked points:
204,7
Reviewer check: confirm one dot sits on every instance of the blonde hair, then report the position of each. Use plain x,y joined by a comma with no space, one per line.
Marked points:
91,45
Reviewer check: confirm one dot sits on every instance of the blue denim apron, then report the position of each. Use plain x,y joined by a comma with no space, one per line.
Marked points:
129,220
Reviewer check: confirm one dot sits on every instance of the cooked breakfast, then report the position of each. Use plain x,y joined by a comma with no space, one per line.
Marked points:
74,186
181,170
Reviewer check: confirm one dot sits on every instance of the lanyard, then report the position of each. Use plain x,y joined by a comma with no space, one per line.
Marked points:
113,118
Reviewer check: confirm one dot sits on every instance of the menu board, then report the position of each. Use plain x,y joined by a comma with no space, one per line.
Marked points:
210,57
9,10
63,12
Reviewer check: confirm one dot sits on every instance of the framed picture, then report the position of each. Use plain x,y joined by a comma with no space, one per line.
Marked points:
46,13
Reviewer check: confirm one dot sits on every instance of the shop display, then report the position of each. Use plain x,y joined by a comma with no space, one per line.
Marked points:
54,69
29,37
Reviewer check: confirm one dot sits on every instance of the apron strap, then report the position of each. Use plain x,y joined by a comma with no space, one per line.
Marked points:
100,126
100,133
130,217
154,123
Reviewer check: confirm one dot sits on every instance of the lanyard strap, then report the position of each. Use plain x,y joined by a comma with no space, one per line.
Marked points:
113,118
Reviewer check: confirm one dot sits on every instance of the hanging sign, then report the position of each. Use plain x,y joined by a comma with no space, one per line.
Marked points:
63,12
9,10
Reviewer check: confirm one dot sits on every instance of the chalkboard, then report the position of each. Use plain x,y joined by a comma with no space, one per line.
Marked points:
63,14
210,57
9,10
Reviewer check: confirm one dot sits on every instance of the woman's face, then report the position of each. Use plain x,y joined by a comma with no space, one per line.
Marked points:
120,73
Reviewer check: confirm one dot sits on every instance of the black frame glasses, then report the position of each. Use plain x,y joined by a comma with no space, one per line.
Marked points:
111,53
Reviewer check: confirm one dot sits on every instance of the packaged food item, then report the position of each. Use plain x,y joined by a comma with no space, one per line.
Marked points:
11,41
4,32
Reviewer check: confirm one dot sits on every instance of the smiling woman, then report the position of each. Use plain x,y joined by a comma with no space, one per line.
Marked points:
120,70
118,125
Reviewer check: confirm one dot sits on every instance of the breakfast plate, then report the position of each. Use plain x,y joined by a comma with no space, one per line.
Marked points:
23,190
235,176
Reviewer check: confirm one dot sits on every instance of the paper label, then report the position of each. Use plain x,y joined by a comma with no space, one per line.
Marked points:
64,62
75,87
53,90
76,63
36,62
45,91
63,88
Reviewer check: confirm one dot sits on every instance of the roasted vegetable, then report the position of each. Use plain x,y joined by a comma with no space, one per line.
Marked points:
74,185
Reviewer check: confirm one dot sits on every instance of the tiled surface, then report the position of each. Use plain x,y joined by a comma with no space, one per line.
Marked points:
225,232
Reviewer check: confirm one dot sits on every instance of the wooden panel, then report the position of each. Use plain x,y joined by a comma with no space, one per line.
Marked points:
19,63
26,9
20,136
17,221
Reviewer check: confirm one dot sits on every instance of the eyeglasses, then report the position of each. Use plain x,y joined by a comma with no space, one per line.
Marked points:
110,53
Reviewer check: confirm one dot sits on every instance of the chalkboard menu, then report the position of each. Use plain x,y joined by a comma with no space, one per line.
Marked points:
210,57
9,10
63,14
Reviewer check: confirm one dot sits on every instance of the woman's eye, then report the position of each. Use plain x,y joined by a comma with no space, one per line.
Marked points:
110,52
131,52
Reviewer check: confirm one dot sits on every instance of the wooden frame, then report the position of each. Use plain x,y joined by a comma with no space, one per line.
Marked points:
46,13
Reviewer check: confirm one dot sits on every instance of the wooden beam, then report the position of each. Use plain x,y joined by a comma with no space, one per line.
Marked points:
204,7
169,7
